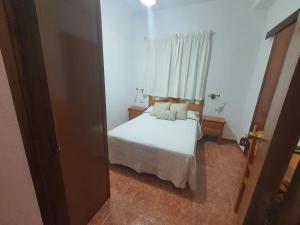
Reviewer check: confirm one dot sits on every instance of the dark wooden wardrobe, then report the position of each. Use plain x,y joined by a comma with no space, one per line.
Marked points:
52,51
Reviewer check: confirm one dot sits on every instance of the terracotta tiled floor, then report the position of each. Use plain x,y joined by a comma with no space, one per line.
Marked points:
145,200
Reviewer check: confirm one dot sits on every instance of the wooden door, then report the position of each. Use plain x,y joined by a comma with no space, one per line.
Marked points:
277,57
281,134
22,56
72,47
52,50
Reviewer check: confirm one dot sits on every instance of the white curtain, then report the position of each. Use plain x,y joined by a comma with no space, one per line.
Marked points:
178,66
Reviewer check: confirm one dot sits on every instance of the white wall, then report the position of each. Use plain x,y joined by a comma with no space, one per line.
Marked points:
238,31
239,57
276,13
18,203
117,20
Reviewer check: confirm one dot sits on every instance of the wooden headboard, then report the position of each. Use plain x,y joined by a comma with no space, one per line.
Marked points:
197,107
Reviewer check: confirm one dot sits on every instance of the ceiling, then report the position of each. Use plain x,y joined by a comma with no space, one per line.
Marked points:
163,4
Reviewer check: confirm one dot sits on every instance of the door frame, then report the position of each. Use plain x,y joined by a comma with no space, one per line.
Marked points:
23,59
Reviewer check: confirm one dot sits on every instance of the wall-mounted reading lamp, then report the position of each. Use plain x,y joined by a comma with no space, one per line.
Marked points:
139,96
214,96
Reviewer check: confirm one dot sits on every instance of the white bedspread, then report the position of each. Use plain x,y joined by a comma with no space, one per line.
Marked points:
163,148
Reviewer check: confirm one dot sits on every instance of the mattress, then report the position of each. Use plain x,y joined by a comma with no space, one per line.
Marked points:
163,148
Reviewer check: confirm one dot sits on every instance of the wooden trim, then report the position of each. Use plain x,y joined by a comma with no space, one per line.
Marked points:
153,100
198,107
22,54
285,23
102,80
261,90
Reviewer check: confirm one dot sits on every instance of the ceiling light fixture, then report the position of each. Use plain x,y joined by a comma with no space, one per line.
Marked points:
148,3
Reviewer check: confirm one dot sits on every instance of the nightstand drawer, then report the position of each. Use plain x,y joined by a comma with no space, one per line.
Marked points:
212,131
135,111
132,115
212,124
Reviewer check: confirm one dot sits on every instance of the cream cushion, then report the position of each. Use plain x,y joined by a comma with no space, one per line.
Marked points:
167,115
180,109
160,106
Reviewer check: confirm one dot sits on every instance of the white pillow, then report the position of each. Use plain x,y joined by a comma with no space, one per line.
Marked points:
178,106
181,109
167,115
192,115
160,106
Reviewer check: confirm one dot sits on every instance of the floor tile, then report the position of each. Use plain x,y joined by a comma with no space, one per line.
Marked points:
143,199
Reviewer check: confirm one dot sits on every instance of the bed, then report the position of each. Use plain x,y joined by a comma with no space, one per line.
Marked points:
160,147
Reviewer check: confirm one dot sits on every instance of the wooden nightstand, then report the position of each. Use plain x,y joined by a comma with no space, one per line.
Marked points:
213,126
135,111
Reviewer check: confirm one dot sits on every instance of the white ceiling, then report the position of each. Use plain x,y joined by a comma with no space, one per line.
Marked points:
163,4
